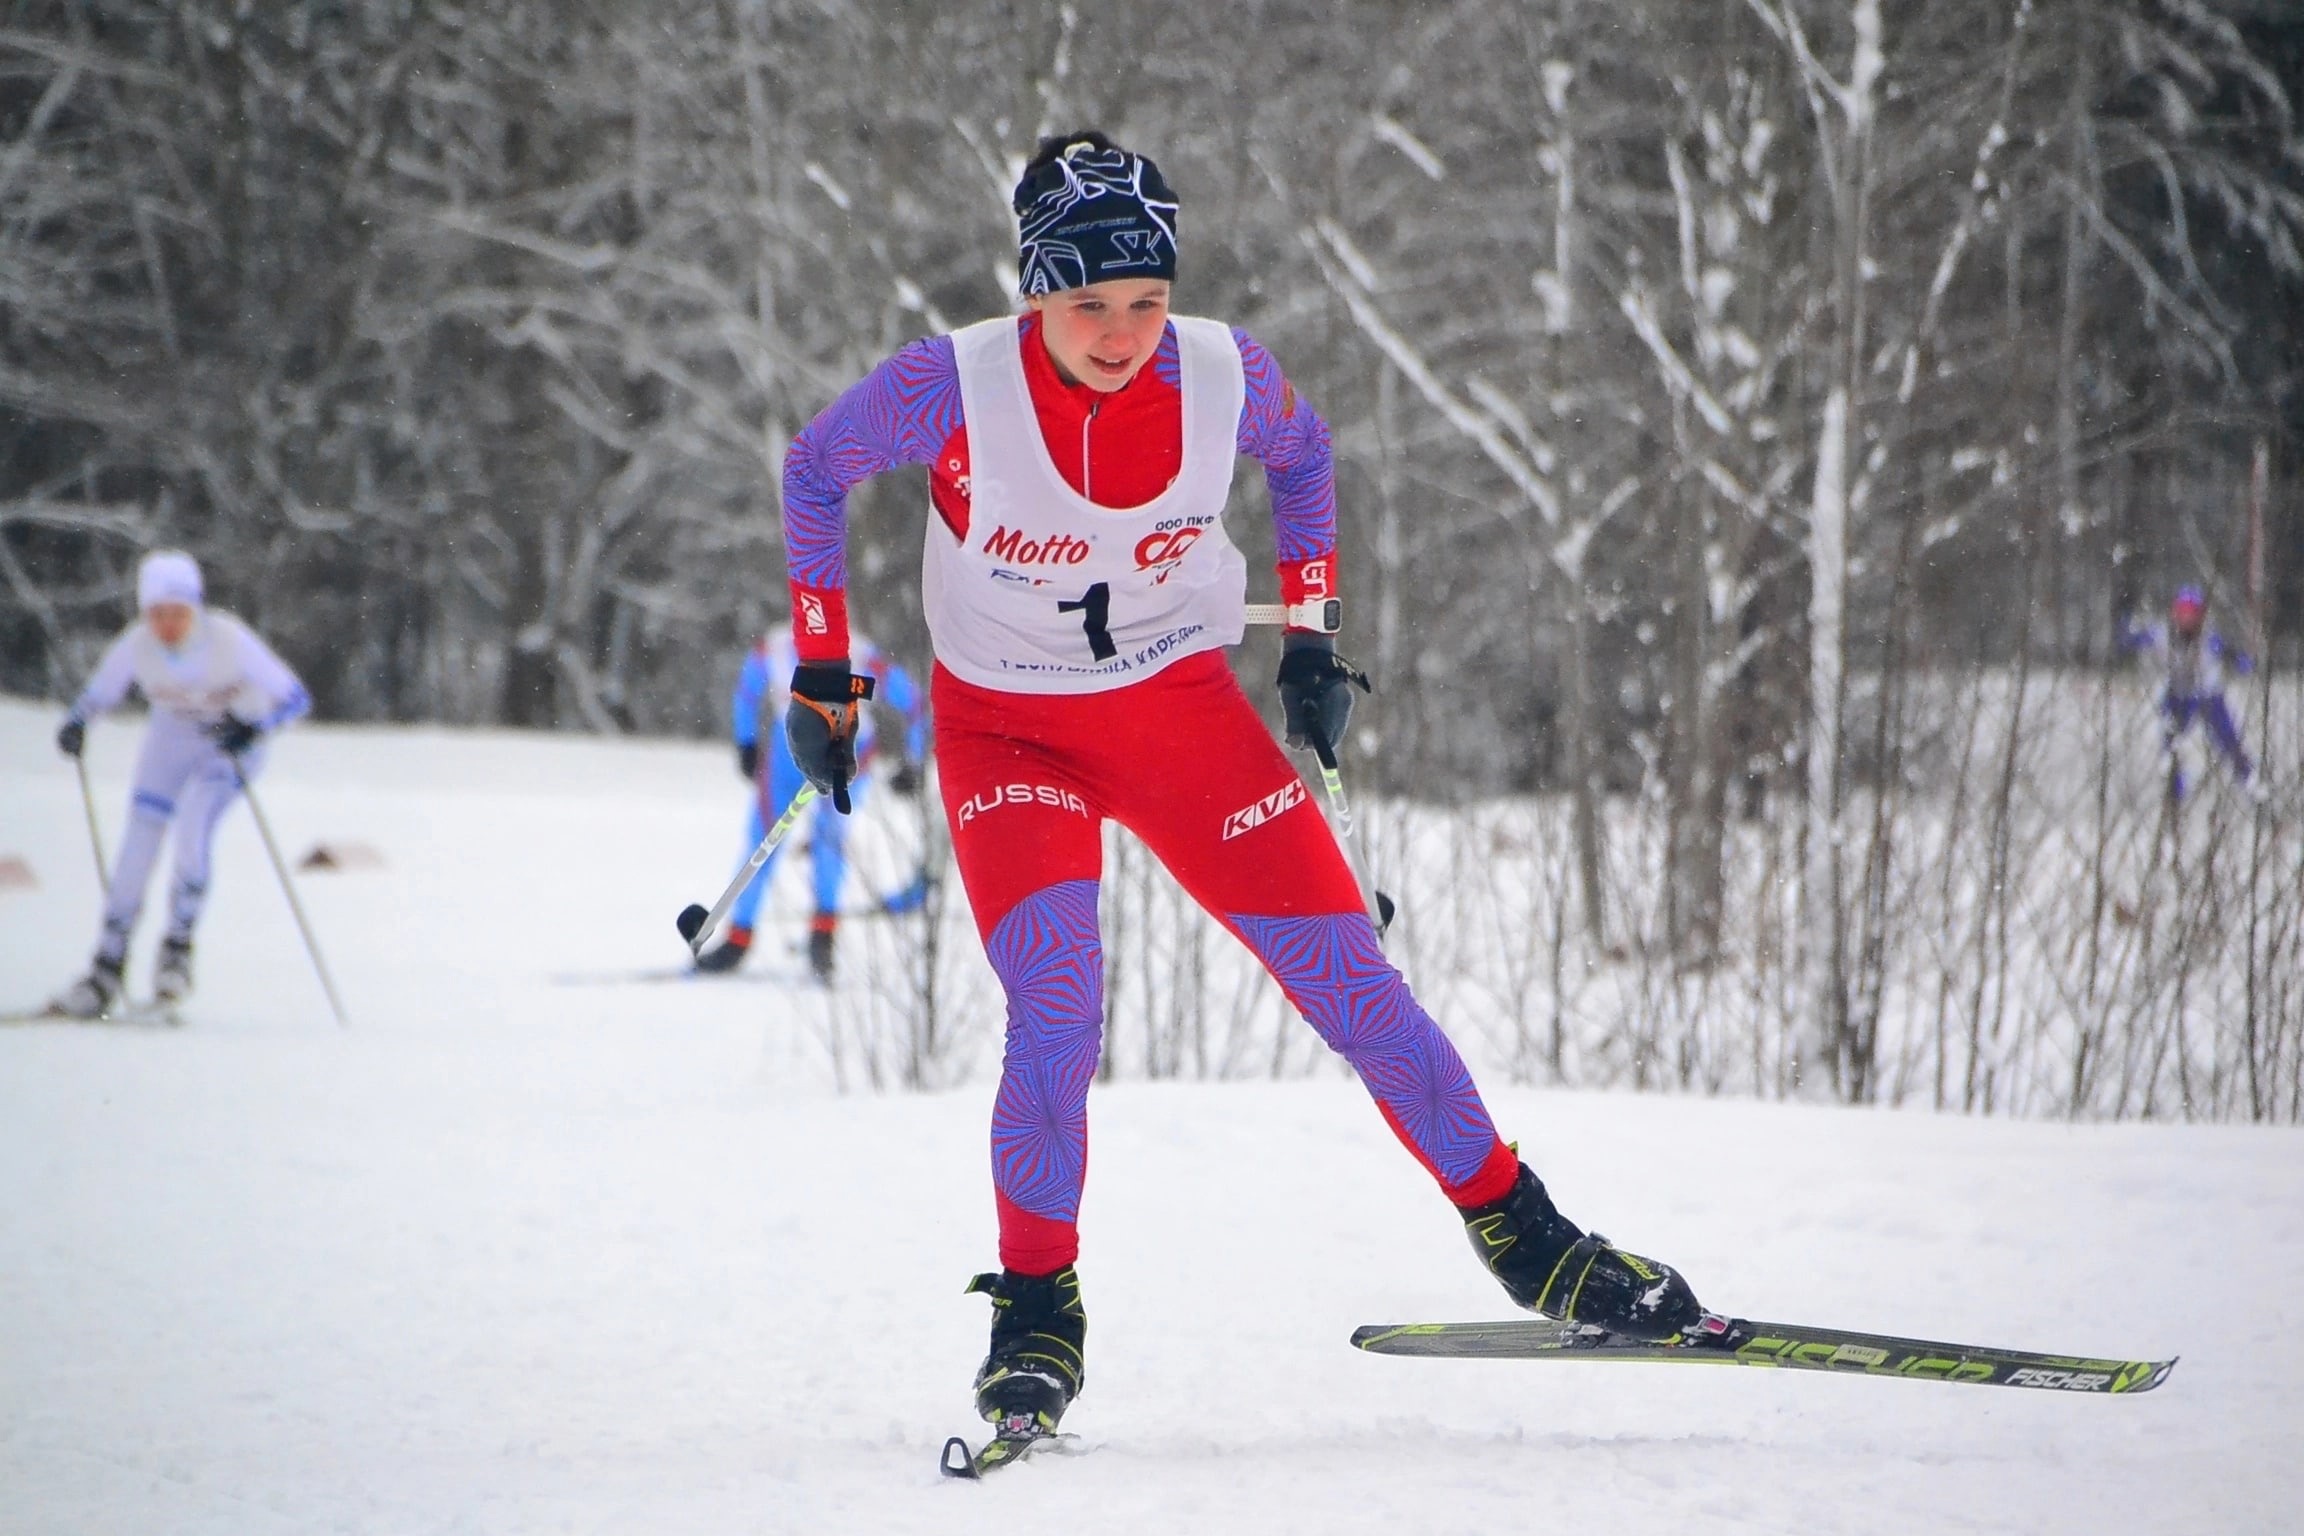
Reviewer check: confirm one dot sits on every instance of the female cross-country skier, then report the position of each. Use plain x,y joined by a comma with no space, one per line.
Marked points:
216,691
1080,589
2195,657
775,779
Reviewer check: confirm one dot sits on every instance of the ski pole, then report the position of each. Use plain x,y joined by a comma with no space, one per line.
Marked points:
1380,906
1332,780
288,888
1325,616
95,832
696,925
1321,616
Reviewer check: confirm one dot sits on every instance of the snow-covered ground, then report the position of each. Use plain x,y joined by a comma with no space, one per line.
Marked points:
510,1255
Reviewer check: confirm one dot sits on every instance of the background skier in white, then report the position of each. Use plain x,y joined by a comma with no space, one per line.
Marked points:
216,692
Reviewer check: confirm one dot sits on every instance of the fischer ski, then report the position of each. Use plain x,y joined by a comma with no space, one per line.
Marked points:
1786,1346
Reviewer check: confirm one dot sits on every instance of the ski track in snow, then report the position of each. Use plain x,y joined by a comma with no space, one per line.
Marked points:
507,1256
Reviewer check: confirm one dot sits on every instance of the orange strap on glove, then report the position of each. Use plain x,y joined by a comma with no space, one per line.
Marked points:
821,724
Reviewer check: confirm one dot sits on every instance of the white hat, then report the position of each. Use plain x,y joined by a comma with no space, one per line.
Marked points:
167,576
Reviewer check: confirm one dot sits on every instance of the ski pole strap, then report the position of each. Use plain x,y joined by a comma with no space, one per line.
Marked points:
1322,615
1324,750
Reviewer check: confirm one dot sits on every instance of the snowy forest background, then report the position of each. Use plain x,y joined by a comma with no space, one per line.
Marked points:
1751,417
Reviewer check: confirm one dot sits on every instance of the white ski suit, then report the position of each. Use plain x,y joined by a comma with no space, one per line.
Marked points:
221,669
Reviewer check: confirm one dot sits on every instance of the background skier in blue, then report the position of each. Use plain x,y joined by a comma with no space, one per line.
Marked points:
762,693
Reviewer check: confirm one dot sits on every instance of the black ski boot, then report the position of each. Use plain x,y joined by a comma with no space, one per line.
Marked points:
172,971
1549,1265
726,955
1037,1361
93,995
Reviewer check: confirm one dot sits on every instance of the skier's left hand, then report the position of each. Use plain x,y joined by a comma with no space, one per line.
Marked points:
1316,693
821,724
233,735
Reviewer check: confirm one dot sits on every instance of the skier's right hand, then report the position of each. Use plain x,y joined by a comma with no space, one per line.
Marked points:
821,723
747,760
72,737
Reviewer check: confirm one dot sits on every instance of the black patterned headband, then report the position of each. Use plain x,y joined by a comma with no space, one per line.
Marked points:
1093,215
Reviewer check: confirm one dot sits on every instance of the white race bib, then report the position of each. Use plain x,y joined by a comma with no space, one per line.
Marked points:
1050,593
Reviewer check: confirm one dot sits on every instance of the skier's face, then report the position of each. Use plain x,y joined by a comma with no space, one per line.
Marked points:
169,622
1101,334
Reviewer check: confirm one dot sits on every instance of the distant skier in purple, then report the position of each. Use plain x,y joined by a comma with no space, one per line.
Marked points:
2195,657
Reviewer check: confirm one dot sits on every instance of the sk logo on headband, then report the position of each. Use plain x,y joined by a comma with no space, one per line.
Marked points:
1100,214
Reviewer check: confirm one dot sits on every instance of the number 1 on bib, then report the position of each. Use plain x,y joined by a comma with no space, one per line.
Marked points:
1095,608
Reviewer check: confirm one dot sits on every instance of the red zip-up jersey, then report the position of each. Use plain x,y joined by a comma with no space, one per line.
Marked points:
1119,450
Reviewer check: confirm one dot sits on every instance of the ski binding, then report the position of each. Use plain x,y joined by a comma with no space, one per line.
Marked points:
1013,1438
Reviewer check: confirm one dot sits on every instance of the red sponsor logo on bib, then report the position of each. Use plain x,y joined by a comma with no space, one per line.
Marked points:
1165,548
1010,546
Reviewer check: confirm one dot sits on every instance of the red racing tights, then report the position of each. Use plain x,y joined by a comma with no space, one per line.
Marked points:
1182,760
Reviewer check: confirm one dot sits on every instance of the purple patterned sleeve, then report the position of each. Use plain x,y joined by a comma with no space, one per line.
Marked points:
901,412
1288,437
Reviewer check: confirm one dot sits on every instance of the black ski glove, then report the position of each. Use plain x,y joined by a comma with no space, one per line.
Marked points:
905,779
72,737
234,735
1316,693
821,723
747,760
